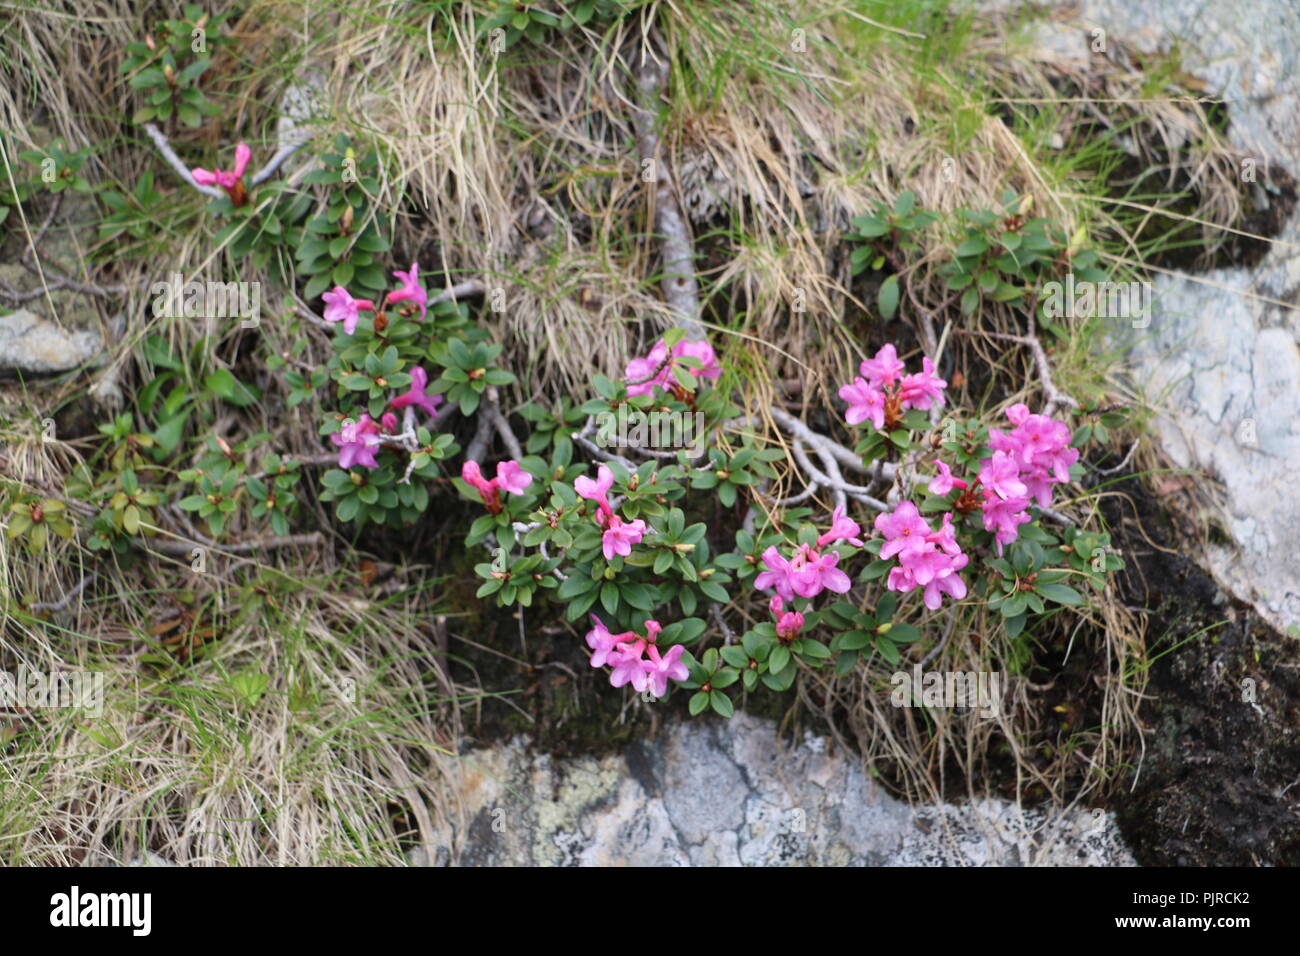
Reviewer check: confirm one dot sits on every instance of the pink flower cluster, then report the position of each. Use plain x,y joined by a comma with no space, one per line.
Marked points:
881,392
623,652
810,571
231,182
1025,464
788,623
411,290
510,478
656,369
926,558
340,306
359,441
619,535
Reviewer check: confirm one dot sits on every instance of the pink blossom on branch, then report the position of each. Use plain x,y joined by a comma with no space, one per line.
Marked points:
656,369
881,393
922,389
597,491
357,442
510,478
883,370
843,528
605,646
411,290
341,307
944,482
628,666
865,402
1001,475
779,574
231,182
619,536
415,395
926,558
819,573
623,652
659,670
788,623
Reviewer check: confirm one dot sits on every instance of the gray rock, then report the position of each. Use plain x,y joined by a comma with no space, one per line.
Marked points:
58,330
705,793
34,346
1219,360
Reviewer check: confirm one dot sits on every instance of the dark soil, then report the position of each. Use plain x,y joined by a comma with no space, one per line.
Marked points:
1217,783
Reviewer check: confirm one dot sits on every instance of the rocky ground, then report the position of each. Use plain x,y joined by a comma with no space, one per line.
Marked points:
1212,785
709,793
1217,780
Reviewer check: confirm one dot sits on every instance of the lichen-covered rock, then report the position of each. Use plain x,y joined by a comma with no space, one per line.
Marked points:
707,793
32,345
1220,358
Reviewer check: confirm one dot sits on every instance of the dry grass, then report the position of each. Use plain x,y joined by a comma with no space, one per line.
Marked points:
522,170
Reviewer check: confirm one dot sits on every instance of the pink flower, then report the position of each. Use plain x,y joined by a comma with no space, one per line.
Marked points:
922,389
1004,517
701,351
646,373
904,530
779,574
788,623
926,558
843,528
341,307
656,369
944,482
1001,475
947,582
357,442
628,667
471,472
879,394
597,491
819,572
511,477
652,629
865,402
229,181
411,289
1040,446
619,536
658,670
883,370
604,644
415,394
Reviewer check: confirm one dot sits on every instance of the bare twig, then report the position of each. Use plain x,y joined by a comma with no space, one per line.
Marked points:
728,635
63,602
582,439
680,288
180,548
462,290
492,408
844,456
1054,395
479,443
175,163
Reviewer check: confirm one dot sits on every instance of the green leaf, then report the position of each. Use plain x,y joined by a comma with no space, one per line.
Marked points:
887,297
1061,594
721,703
222,383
